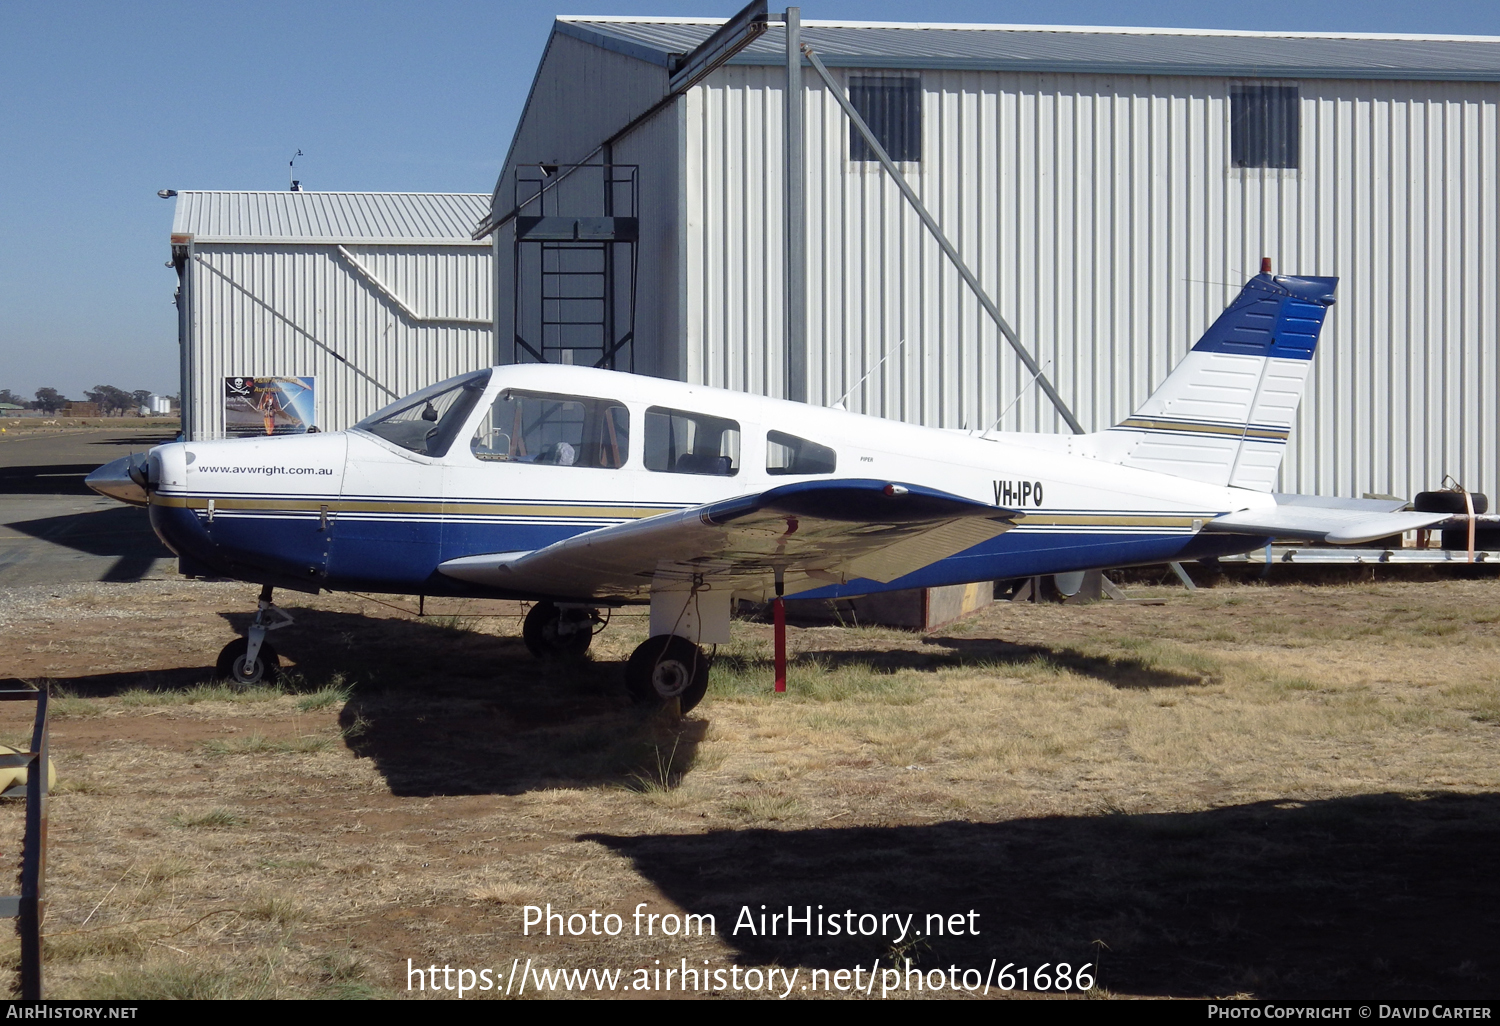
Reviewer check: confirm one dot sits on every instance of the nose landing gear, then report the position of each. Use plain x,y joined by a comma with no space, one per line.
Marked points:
251,660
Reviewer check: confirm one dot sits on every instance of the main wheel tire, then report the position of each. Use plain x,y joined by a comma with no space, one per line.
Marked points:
232,667
546,637
667,667
1450,502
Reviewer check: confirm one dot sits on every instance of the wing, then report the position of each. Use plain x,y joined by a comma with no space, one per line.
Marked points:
815,533
1336,521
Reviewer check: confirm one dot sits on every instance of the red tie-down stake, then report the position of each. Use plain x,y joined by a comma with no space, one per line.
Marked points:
778,617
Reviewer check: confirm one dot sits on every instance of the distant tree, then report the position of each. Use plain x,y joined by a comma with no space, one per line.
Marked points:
140,397
50,399
7,396
110,399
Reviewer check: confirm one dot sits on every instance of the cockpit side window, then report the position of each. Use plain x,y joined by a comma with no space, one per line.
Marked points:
788,454
556,430
427,422
679,442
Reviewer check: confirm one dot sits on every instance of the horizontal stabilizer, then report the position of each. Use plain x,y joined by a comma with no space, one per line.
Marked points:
815,533
1350,524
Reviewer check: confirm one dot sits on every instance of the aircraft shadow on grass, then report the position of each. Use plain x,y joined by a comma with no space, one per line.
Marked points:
1379,895
120,531
442,710
980,653
445,710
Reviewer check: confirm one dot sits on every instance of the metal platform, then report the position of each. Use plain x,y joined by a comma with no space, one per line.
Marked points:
1310,554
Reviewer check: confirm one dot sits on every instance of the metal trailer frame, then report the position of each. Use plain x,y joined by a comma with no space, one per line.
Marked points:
28,907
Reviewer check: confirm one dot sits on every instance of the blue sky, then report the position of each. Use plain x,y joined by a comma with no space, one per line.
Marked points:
102,104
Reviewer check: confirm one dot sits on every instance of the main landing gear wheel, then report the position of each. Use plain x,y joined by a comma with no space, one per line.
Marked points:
233,667
667,667
553,633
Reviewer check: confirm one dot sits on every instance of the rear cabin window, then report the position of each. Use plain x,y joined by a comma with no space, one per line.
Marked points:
554,430
788,454
679,442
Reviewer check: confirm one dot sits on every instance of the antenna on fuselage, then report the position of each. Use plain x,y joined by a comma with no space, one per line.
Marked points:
1017,399
840,401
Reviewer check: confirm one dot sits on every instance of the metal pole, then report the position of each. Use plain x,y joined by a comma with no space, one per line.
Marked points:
796,216
942,240
607,331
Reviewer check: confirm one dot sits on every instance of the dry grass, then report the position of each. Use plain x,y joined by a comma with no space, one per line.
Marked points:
1284,792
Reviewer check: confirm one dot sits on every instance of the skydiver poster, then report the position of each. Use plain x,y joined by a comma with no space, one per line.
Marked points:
268,406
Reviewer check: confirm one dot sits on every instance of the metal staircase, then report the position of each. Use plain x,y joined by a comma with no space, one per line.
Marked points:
575,264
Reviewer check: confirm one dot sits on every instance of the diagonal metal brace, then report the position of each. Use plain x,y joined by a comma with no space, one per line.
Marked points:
942,240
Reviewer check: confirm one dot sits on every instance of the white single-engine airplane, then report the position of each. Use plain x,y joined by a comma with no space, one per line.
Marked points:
585,489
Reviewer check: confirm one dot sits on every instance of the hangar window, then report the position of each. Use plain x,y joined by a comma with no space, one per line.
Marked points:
426,422
892,107
678,442
788,454
556,430
1265,125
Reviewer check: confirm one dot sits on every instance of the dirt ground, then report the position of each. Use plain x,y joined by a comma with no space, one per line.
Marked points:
1278,792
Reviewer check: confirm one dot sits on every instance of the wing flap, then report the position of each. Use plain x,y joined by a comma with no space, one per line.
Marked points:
815,533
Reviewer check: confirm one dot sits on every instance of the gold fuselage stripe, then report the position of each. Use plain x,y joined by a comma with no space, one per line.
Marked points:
1230,430
428,508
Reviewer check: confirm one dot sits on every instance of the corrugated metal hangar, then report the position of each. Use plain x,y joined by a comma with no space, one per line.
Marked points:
1111,189
358,298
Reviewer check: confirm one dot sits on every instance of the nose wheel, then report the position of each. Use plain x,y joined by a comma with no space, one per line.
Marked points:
250,660
554,632
667,667
235,667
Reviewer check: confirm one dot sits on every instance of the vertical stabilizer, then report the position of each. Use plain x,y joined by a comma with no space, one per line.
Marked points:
1223,414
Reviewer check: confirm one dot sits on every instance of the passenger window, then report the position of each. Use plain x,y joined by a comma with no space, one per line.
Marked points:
788,454
557,430
678,442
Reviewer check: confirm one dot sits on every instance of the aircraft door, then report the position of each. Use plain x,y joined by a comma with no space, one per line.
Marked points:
540,467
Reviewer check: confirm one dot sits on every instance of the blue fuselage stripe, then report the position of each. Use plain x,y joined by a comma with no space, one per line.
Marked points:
400,556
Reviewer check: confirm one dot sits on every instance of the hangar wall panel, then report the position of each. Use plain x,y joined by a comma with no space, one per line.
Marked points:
1102,214
267,309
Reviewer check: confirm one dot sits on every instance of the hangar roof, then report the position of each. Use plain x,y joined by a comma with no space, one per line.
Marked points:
1070,48
330,217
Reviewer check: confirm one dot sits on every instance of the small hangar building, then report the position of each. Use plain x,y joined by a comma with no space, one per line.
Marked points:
1111,189
359,298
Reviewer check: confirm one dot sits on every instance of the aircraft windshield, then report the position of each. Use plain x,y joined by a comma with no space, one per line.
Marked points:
426,422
